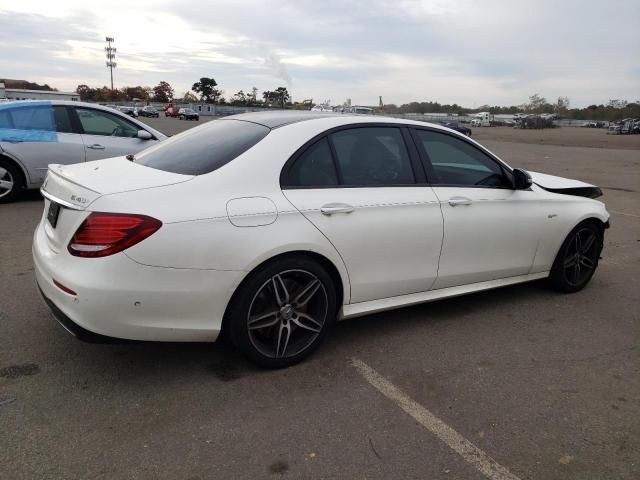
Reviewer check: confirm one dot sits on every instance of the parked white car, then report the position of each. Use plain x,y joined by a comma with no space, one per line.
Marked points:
34,134
269,226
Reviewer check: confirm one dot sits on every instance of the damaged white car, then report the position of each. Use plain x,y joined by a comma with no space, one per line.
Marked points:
270,226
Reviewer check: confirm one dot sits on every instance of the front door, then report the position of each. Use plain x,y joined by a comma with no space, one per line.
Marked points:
361,189
491,231
107,135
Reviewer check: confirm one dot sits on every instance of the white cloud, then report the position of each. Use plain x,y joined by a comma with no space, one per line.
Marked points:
453,51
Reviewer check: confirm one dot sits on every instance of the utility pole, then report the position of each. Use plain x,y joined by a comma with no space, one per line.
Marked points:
111,56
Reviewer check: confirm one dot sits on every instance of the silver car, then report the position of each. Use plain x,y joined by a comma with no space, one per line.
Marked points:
34,134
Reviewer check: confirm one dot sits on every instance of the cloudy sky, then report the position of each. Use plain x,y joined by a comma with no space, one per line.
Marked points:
470,52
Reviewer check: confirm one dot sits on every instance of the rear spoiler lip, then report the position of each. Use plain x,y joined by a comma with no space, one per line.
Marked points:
64,203
65,178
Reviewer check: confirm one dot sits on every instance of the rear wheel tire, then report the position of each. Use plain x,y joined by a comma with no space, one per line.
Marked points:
10,181
282,312
577,259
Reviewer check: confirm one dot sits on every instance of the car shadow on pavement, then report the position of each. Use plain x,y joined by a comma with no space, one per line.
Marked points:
406,321
166,362
28,196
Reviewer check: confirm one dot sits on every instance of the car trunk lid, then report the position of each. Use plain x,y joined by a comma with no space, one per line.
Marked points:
69,191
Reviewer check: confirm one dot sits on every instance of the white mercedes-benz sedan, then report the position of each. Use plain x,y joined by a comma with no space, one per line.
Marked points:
270,226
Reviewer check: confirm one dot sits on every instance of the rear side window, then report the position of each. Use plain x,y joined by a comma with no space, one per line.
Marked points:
373,156
364,156
28,117
315,167
203,149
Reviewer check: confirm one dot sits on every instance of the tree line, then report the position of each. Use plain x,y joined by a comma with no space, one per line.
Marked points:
205,90
615,109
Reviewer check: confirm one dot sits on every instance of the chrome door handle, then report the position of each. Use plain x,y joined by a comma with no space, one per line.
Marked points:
96,146
455,201
331,208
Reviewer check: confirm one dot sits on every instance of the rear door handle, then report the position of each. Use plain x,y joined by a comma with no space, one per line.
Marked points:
331,208
455,201
96,146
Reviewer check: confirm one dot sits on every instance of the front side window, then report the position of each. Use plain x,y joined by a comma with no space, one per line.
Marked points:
455,162
203,149
97,122
372,156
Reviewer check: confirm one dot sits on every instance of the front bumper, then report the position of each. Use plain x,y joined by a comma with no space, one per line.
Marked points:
118,298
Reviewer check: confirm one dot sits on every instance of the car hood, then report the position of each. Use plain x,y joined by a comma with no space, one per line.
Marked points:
566,186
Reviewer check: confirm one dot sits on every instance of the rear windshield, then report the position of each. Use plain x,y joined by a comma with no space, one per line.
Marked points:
203,149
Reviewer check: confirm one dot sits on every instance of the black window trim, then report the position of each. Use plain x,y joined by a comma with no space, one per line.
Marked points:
414,159
507,171
73,119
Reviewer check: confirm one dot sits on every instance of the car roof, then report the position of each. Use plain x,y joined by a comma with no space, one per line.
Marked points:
284,118
279,118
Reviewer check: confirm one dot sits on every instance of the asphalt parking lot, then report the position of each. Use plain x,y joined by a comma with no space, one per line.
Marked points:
547,385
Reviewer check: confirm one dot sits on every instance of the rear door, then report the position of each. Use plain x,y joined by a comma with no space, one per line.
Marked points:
107,134
38,134
491,231
364,190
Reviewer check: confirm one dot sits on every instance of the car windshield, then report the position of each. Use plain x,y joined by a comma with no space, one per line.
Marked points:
203,149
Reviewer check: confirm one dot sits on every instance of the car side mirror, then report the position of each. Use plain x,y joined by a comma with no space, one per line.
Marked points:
144,135
521,179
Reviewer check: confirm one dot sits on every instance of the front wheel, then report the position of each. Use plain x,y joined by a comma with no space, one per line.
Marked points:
282,312
577,259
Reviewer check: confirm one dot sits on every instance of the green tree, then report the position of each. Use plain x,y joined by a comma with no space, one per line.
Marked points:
139,92
86,92
163,92
536,103
206,87
239,98
189,97
561,107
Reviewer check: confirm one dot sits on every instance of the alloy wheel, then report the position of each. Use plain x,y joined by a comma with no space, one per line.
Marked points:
7,182
287,314
581,257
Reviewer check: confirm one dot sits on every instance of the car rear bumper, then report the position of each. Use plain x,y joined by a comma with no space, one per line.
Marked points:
118,298
73,328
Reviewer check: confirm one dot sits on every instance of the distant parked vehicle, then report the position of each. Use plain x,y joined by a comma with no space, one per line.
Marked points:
171,110
188,114
148,112
615,128
36,134
482,119
130,111
458,128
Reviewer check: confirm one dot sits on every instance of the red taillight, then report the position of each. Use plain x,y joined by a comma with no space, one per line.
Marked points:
103,234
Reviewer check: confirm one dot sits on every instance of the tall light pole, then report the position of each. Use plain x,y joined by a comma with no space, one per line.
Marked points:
111,57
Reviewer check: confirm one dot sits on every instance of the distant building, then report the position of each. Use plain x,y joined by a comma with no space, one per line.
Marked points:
22,94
